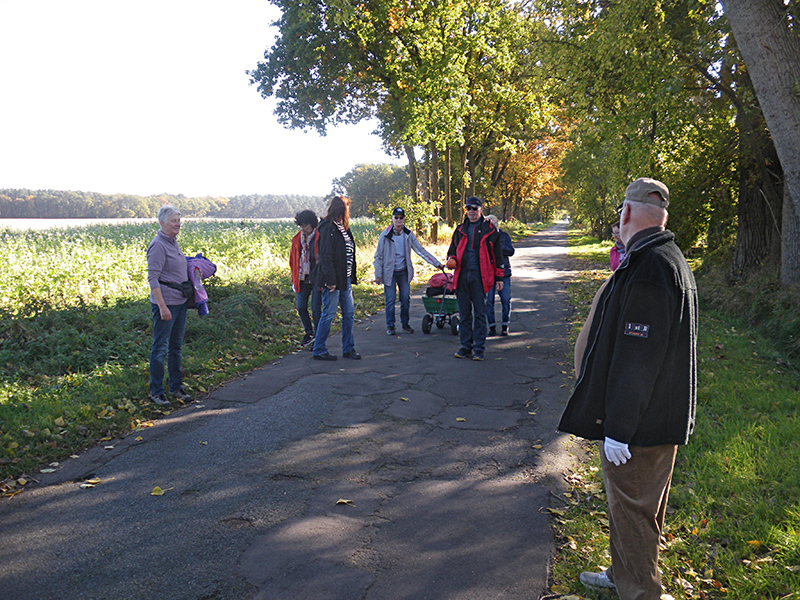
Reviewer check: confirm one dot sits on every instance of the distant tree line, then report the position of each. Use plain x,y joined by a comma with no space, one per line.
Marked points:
56,204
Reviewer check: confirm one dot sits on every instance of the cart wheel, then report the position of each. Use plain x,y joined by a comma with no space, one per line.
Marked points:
427,320
440,322
454,325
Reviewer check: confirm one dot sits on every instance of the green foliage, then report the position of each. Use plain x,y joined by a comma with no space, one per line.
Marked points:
55,204
366,185
733,525
419,214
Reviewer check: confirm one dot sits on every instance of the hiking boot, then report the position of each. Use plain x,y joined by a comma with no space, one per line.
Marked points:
308,339
597,581
408,329
326,356
352,354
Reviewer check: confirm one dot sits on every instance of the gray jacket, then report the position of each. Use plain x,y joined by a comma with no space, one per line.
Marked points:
384,254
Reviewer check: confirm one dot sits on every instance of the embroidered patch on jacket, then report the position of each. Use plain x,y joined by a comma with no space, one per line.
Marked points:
637,329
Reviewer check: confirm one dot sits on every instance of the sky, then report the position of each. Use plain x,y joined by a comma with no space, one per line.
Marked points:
151,97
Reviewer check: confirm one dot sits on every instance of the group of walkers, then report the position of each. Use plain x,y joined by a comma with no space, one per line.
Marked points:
323,269
635,357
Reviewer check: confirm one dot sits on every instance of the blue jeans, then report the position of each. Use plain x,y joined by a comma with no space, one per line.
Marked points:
330,300
167,335
505,301
399,282
301,302
471,303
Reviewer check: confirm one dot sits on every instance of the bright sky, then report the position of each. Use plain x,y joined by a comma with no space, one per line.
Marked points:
151,97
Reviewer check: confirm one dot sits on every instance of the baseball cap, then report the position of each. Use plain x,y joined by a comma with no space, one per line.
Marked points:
473,201
398,212
639,191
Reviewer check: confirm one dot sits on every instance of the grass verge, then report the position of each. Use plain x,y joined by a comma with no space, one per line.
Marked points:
733,525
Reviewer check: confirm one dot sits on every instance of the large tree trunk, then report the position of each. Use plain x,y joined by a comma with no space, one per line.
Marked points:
771,51
760,198
435,191
448,200
790,243
412,172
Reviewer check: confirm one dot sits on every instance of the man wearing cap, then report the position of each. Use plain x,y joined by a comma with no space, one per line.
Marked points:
637,387
393,268
477,257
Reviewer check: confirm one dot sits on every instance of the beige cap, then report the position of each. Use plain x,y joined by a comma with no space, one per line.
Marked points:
639,191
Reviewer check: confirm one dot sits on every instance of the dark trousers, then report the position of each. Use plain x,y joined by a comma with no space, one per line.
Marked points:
307,290
471,311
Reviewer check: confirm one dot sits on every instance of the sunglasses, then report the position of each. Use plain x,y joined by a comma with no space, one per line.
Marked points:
472,208
620,207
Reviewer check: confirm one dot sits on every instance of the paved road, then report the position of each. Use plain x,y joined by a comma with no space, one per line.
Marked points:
446,466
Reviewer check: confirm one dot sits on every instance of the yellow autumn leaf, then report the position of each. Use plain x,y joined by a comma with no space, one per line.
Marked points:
157,491
460,419
60,422
138,438
754,543
22,481
343,501
404,399
559,589
93,480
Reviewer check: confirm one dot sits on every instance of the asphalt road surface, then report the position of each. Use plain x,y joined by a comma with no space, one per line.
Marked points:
406,475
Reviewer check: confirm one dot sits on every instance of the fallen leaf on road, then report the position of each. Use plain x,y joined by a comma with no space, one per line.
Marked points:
404,399
343,501
460,419
157,491
47,471
93,480
138,438
86,486
204,443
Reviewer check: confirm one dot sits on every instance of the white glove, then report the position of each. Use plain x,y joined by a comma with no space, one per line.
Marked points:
616,452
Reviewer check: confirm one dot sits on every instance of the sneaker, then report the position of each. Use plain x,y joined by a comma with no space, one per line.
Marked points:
478,356
492,331
326,356
352,354
597,581
308,339
463,353
182,396
160,399
408,329
391,331
504,330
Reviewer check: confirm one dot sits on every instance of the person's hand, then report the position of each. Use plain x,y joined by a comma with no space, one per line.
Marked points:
331,287
499,286
616,452
165,312
378,280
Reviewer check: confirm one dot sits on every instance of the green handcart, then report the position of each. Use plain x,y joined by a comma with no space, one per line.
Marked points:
442,309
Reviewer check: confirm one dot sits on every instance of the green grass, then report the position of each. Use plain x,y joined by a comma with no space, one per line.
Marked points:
733,526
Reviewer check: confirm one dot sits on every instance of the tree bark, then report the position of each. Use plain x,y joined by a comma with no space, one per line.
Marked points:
435,191
771,52
790,243
412,172
448,200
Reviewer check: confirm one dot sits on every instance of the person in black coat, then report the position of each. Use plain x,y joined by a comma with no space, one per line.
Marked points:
334,274
637,387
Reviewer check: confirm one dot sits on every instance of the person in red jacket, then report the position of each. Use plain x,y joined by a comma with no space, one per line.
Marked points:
477,257
302,258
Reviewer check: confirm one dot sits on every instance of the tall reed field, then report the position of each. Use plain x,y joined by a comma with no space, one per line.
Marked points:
733,524
76,327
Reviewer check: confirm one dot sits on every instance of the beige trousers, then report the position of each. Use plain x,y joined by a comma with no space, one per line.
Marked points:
637,502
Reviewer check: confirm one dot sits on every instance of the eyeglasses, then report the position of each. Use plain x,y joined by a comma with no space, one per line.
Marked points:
472,208
398,217
620,207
